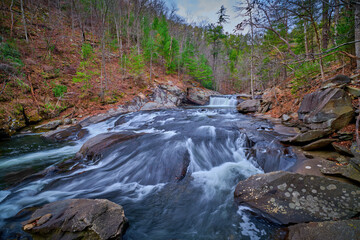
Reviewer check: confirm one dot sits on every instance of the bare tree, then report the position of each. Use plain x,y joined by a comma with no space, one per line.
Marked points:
23,20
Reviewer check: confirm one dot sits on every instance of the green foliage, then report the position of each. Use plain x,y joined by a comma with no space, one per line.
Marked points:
87,51
10,54
59,90
303,74
135,63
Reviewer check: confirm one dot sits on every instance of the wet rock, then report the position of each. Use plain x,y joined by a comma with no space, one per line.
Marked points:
71,133
329,109
342,149
152,106
308,136
248,106
199,96
334,230
337,81
78,219
348,171
286,197
318,144
95,147
95,119
353,91
67,121
49,126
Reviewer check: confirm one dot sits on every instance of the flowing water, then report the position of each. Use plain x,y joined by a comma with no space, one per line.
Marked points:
220,147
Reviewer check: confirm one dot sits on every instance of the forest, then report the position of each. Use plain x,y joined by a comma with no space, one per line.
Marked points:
58,52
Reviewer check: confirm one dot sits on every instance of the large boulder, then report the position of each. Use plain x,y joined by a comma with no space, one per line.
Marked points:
95,147
334,230
71,133
77,219
50,125
326,109
337,81
286,197
199,96
248,106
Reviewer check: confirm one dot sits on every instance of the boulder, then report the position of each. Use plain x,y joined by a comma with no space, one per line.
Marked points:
353,91
248,106
308,136
95,147
285,197
95,119
348,171
334,230
49,126
77,219
326,109
199,96
318,144
71,133
337,81
342,149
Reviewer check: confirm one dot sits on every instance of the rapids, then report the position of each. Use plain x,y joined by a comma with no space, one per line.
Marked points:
220,146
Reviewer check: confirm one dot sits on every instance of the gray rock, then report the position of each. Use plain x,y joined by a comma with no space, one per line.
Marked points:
95,147
308,136
337,81
353,91
342,149
78,219
199,96
71,133
334,230
285,117
286,197
49,126
327,109
248,106
348,171
318,144
95,119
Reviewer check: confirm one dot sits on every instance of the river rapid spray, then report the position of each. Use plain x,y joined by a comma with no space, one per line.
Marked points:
222,148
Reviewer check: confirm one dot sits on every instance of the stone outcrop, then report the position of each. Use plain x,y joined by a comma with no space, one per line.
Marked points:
71,133
329,109
95,147
322,143
50,125
337,81
334,230
77,219
286,197
248,106
199,96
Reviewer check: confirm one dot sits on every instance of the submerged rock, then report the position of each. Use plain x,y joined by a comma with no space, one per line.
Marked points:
329,109
334,230
286,197
78,219
248,106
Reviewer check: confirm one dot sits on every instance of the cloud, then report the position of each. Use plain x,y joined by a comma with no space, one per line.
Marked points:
199,10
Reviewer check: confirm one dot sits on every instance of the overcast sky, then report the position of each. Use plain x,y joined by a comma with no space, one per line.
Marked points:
198,10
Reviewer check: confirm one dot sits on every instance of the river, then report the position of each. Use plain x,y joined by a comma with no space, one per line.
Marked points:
220,145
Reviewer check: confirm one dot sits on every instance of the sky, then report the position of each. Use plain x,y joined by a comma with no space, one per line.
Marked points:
199,10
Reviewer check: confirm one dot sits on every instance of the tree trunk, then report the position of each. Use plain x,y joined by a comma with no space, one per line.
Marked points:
12,18
306,41
336,20
357,32
325,20
252,56
23,19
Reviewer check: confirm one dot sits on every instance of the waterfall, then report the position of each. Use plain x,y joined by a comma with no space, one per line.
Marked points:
223,101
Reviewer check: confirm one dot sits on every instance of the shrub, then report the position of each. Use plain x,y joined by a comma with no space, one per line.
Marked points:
59,90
